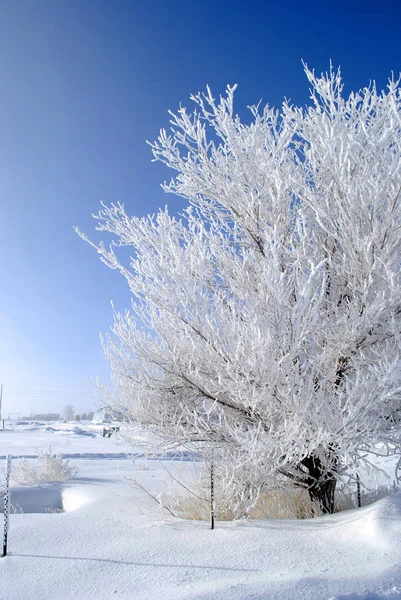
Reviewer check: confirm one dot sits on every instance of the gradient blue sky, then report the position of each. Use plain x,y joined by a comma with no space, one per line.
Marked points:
83,84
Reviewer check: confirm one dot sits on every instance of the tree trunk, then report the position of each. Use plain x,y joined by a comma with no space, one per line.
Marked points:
323,492
320,481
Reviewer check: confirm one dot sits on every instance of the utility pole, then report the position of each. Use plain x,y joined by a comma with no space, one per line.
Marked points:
1,397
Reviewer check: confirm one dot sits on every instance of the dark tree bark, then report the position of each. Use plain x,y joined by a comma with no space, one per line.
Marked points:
320,481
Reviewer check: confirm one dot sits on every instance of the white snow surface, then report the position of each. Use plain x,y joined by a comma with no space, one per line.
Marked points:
108,543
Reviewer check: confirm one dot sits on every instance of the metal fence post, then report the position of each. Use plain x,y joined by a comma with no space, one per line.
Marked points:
358,490
6,503
212,511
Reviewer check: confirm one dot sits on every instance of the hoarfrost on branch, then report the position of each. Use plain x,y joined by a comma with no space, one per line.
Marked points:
265,320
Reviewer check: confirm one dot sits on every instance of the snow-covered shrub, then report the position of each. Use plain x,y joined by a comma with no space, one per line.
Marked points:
48,466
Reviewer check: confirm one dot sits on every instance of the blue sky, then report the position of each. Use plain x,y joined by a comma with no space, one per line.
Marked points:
84,83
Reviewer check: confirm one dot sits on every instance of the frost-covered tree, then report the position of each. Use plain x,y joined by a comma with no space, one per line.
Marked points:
266,320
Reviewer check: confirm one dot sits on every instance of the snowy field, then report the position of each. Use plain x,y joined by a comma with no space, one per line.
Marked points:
109,544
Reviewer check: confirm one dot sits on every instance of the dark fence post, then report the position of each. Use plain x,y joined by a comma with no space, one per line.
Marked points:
358,490
6,503
212,512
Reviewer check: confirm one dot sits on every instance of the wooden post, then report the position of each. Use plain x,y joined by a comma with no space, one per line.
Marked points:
6,504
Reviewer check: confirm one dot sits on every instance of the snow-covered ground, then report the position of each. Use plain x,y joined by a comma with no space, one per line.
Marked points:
107,544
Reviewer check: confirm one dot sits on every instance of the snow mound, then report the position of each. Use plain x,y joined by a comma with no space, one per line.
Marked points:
381,522
78,431
29,425
71,431
77,496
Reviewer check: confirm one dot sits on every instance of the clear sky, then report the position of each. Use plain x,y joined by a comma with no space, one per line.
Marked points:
84,83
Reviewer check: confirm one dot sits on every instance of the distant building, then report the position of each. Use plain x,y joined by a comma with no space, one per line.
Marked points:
44,417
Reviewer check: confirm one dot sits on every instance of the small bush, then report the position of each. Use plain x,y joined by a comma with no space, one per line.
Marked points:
48,466
288,502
